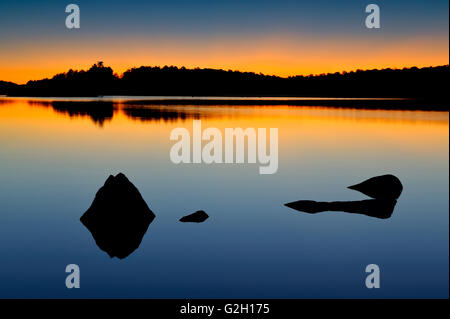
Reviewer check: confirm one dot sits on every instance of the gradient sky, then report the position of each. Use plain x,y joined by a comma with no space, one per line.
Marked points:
281,37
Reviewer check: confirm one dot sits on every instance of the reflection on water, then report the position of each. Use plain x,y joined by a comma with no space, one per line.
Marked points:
101,111
97,111
146,114
54,157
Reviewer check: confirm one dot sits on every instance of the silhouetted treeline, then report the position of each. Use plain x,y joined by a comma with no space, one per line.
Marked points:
412,82
427,83
5,87
98,80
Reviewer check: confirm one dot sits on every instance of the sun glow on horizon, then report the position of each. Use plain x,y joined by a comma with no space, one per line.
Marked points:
281,55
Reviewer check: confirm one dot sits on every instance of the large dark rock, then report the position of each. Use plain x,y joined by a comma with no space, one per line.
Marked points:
380,187
385,190
118,217
197,217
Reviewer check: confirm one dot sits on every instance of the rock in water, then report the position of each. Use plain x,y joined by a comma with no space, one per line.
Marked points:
118,217
197,217
380,187
379,208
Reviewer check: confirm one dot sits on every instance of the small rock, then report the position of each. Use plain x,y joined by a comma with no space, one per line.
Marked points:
197,217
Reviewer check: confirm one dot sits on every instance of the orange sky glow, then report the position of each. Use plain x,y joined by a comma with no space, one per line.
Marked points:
275,54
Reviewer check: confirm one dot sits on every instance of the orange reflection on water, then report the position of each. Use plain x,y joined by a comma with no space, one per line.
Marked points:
39,124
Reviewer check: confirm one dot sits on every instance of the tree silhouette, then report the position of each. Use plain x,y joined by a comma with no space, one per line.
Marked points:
424,83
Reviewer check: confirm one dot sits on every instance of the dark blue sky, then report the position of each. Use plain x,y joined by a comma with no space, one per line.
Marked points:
266,34
203,17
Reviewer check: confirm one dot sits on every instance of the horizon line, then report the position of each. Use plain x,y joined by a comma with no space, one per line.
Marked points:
230,70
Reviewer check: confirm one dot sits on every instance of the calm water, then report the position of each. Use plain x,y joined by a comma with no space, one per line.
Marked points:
53,159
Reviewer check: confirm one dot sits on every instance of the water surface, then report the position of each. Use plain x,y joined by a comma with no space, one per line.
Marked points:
55,156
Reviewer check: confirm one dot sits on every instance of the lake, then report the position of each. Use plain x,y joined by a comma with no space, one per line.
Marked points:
56,153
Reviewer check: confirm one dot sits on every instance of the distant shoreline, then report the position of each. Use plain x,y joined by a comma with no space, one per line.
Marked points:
334,102
361,103
360,88
356,103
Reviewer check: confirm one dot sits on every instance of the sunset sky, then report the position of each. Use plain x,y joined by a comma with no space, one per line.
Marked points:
280,37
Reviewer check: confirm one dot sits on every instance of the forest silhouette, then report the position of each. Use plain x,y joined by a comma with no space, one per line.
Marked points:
420,83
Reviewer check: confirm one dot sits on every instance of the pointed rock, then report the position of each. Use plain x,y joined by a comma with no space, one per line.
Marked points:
197,217
380,187
118,217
